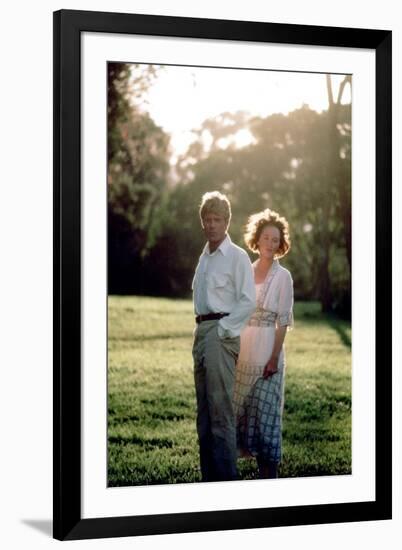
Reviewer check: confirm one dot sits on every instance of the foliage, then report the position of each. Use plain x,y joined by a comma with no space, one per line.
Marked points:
298,164
151,401
137,174
287,167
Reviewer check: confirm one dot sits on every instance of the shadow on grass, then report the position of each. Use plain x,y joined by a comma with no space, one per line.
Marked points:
339,327
158,442
310,312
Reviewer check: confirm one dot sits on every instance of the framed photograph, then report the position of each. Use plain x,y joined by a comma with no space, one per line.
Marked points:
292,122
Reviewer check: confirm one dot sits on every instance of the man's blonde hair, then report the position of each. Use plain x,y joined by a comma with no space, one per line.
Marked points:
216,203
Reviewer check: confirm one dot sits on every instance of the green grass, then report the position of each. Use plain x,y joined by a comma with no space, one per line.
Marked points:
151,399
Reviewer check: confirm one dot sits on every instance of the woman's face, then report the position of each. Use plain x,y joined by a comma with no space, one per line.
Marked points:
269,241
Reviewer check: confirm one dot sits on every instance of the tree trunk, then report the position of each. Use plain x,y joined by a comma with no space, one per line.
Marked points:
337,175
325,285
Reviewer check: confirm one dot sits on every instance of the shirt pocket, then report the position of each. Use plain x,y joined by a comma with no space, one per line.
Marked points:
221,285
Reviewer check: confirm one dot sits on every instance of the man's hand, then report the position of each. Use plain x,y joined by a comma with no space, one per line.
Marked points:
270,368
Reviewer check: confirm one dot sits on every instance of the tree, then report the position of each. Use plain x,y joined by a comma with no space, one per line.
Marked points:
287,167
137,175
339,165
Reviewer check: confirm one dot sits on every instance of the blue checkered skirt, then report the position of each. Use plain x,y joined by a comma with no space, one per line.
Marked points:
258,406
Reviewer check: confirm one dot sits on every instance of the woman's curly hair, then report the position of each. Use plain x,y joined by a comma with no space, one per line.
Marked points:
257,222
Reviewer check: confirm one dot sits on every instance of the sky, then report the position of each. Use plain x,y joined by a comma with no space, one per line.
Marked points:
181,98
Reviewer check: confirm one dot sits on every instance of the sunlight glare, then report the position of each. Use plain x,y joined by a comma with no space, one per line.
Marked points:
182,98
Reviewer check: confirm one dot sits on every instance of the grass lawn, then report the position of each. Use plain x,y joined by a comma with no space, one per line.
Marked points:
151,399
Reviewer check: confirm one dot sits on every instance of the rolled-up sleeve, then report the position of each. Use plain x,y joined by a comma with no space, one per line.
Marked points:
232,324
285,304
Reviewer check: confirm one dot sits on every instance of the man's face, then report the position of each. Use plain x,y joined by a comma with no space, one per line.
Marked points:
214,227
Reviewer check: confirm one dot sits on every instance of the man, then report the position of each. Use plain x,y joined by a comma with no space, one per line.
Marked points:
224,299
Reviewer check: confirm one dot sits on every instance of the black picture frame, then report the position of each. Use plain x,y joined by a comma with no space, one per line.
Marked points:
68,26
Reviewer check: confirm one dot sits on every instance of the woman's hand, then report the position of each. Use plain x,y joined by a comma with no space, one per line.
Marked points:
270,368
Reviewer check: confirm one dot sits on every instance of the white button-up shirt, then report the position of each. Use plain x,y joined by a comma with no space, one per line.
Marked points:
224,283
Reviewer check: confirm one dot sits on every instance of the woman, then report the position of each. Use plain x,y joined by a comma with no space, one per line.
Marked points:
260,370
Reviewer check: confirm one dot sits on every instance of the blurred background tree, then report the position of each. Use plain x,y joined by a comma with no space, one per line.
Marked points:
298,164
138,164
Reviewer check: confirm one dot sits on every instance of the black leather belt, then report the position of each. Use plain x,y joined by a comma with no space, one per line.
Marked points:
209,317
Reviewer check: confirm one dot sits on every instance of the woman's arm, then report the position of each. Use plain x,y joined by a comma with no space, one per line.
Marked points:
284,323
272,366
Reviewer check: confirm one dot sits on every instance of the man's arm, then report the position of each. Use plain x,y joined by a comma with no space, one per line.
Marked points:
232,324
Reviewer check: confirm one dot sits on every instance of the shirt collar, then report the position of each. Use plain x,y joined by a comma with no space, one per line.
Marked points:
223,247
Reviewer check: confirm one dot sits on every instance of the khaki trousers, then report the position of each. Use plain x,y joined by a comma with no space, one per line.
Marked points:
214,369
